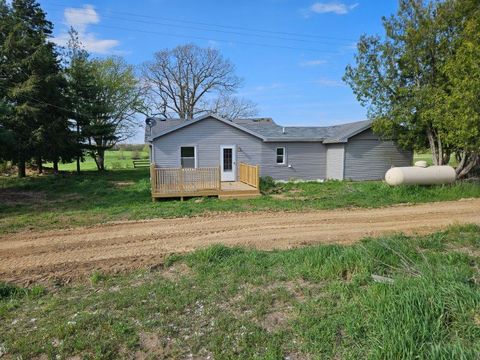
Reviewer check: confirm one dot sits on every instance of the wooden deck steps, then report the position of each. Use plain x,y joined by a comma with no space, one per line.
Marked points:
237,190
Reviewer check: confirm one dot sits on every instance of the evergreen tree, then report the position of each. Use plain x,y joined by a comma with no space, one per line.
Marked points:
32,84
83,92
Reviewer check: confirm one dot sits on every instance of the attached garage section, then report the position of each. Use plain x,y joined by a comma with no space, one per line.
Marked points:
335,161
368,158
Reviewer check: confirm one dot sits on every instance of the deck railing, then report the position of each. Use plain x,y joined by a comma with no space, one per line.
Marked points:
250,175
185,181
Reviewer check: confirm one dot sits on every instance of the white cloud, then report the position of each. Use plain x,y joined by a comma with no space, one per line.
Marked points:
80,19
332,7
312,62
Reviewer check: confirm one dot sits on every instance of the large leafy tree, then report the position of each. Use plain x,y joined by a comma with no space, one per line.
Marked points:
31,83
403,80
113,116
459,105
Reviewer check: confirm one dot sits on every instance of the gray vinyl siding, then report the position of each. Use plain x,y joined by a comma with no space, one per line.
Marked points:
207,136
335,161
304,160
368,158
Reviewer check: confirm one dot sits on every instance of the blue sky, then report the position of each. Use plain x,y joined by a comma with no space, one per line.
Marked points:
295,79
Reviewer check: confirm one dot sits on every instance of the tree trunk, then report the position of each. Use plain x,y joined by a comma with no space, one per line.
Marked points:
39,165
100,159
440,155
78,143
21,167
55,166
467,162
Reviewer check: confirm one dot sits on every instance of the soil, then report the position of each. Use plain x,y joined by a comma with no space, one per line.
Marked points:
63,255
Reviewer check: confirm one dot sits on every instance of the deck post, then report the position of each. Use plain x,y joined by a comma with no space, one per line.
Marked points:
258,177
219,179
182,187
153,183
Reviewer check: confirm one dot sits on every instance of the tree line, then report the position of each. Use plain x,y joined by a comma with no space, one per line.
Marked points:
421,80
61,104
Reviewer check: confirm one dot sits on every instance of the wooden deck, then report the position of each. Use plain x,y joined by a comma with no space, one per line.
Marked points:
237,190
187,182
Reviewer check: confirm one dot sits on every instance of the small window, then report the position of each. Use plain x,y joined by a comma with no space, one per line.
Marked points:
187,156
281,156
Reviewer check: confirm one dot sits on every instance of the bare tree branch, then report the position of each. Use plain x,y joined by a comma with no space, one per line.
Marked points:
184,78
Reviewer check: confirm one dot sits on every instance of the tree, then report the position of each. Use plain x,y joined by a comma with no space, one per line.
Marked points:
459,107
402,80
31,82
83,90
7,137
232,107
112,117
182,82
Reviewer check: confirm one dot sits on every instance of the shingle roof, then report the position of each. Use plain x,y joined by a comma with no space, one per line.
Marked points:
269,131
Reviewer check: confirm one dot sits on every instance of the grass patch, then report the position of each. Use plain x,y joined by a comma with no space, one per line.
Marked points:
52,202
311,302
114,160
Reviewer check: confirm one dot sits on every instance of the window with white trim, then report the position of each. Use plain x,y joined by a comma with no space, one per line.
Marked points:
281,156
187,156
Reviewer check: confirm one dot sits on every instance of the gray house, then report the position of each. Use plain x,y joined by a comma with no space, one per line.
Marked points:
347,151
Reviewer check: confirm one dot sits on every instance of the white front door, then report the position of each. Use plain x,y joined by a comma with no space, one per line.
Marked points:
228,162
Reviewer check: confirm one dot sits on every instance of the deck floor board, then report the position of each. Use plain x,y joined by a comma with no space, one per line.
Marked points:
236,186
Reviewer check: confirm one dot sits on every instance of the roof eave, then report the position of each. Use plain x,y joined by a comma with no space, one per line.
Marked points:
335,141
293,140
190,122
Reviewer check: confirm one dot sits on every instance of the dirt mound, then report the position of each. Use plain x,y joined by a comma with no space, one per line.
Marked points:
115,247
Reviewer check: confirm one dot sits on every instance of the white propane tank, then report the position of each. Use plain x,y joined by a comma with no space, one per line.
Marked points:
420,175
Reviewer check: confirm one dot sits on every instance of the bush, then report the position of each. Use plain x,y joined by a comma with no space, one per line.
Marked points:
267,184
129,147
135,154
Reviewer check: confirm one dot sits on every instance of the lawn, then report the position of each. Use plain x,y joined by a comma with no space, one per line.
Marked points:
114,159
428,158
226,303
49,202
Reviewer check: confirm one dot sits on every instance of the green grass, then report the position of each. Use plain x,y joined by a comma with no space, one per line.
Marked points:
428,158
49,202
236,303
114,159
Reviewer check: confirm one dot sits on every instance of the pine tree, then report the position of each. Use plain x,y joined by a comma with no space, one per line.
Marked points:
32,84
83,92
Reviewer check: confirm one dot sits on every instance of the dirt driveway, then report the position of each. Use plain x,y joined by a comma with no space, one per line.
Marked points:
74,253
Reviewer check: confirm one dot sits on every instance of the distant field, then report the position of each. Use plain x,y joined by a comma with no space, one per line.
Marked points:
114,159
428,158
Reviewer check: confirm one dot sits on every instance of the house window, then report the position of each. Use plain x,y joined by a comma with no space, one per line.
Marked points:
281,156
187,157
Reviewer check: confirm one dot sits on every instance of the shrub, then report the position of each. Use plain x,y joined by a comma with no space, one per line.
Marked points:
267,184
135,154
